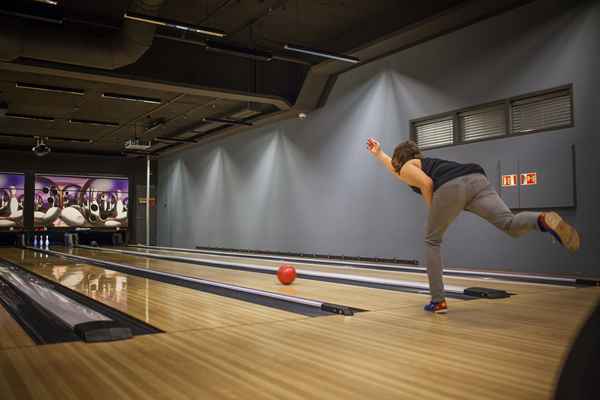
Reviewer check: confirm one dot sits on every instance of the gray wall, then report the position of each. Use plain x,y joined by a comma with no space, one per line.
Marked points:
62,163
311,186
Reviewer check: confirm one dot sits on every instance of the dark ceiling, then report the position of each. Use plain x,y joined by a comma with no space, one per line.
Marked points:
187,81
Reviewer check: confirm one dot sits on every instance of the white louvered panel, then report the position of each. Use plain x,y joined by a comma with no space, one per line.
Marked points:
432,134
542,112
483,123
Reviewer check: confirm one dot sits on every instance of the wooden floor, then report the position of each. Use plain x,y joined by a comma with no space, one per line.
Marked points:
492,349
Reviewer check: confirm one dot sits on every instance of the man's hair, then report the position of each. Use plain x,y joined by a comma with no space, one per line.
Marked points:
404,152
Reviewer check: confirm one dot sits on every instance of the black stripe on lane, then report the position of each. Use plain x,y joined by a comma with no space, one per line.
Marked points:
322,256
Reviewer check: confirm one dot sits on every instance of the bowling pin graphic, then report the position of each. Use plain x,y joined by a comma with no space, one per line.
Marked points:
47,243
35,242
94,208
14,202
13,209
104,203
72,216
121,213
51,215
121,210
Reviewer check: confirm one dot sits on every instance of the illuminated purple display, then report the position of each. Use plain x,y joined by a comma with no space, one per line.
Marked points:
73,201
12,197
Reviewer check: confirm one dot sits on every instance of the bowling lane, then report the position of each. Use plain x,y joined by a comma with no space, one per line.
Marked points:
168,307
354,296
513,287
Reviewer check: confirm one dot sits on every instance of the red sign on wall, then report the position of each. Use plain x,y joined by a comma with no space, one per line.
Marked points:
529,178
509,180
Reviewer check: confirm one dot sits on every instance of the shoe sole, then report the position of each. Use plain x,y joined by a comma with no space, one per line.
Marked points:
567,234
441,311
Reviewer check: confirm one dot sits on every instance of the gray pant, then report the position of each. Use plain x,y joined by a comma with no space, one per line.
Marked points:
472,193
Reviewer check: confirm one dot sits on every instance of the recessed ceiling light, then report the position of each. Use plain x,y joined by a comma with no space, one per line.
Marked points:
173,24
139,99
321,53
49,2
29,117
53,89
90,122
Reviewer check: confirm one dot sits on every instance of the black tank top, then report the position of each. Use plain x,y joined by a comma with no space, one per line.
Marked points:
442,171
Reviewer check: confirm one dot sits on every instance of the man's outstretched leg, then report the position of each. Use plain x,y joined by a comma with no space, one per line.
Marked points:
489,206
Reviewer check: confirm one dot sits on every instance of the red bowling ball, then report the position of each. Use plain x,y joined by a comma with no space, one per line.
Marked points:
286,274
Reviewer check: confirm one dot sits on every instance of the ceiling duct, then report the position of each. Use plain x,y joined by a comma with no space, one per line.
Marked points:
233,50
213,124
77,45
228,121
50,139
168,140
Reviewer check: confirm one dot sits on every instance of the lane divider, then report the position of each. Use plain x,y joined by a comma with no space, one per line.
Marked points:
304,260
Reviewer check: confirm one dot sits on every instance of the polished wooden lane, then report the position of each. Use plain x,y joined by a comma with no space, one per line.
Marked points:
11,333
355,296
511,286
482,349
366,298
165,306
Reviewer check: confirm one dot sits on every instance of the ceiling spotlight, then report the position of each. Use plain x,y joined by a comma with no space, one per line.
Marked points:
302,115
40,149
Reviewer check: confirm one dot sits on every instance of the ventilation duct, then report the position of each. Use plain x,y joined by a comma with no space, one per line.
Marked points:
75,45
